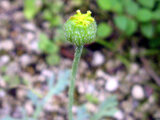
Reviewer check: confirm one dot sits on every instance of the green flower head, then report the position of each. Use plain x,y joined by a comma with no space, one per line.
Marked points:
80,28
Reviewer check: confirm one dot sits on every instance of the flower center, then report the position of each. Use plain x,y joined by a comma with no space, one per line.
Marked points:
82,19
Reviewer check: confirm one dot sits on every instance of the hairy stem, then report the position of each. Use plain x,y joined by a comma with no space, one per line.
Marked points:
77,56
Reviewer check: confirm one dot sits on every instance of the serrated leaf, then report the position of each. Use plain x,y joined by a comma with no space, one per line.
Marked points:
107,108
33,97
108,103
50,81
104,30
82,113
62,82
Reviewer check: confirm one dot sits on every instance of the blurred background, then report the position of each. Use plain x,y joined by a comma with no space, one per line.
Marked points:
118,76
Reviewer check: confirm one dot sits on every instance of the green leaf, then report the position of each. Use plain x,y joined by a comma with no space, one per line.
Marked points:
59,37
126,25
12,81
110,5
107,108
46,45
144,15
62,82
105,4
131,7
57,6
8,118
131,27
147,3
91,98
33,97
156,14
53,59
104,30
30,9
77,2
55,20
82,113
158,28
117,6
147,30
121,22
155,43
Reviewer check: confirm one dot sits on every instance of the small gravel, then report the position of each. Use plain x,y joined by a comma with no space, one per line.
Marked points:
112,84
98,59
138,92
119,115
6,45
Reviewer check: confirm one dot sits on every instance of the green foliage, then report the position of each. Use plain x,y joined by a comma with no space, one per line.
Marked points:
110,5
156,14
104,30
91,98
82,113
105,4
131,27
134,17
29,9
144,15
46,45
106,109
131,7
50,48
46,10
125,24
147,30
54,20
14,80
54,89
147,3
121,22
155,43
52,59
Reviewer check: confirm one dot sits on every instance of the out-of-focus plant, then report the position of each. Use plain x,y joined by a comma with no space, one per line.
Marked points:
126,22
106,109
54,88
50,11
30,10
50,48
14,80
129,15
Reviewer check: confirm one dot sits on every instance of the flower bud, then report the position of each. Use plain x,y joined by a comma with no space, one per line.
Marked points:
80,28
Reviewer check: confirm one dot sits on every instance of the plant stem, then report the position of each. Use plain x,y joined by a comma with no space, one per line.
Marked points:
77,56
